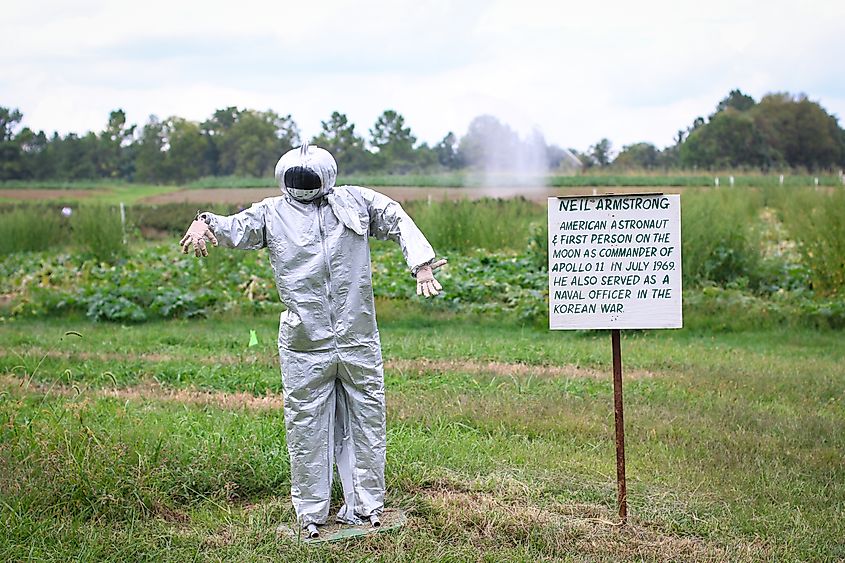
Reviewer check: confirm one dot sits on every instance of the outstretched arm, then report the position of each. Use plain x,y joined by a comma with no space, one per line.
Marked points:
388,221
244,230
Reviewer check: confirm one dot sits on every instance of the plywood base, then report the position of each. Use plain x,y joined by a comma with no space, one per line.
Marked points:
391,519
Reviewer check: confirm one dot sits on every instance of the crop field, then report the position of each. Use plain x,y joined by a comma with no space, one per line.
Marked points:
136,423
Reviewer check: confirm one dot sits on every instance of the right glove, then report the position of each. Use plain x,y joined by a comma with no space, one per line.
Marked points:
197,234
427,284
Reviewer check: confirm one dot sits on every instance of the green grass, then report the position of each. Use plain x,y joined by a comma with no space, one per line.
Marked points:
814,219
734,442
30,230
492,224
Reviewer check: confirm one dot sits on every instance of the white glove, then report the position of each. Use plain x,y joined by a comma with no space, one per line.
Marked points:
426,283
197,234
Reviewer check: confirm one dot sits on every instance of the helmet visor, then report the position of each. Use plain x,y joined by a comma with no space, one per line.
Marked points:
302,183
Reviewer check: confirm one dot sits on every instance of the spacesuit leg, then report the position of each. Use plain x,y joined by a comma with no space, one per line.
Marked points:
344,456
362,376
308,380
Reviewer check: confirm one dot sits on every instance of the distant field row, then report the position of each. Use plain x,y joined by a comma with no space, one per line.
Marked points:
472,180
231,190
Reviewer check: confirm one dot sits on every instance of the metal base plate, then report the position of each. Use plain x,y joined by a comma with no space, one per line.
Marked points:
391,519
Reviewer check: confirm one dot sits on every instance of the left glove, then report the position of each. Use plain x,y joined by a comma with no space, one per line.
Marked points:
427,284
197,234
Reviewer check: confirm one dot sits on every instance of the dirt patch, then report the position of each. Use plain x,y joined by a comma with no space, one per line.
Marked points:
507,369
149,390
562,530
401,365
33,194
245,196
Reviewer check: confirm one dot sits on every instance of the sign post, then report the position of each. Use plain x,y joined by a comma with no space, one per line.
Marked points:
615,263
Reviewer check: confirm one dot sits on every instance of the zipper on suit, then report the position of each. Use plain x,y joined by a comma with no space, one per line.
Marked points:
327,264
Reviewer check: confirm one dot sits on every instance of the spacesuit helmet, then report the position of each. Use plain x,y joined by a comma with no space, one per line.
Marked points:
306,173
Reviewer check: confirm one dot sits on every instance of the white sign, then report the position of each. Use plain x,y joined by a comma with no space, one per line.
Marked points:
615,262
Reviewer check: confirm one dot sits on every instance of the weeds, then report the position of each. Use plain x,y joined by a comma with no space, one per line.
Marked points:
815,220
491,224
99,231
29,229
719,237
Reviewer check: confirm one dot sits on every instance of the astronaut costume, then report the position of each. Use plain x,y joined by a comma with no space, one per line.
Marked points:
332,371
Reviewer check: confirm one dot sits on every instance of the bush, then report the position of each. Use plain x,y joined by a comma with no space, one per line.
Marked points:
30,228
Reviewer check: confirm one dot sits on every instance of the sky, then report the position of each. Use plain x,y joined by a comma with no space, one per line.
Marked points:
578,71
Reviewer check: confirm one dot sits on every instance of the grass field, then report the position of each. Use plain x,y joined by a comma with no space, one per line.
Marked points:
165,441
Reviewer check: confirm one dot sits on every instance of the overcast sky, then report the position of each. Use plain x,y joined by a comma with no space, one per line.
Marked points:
580,71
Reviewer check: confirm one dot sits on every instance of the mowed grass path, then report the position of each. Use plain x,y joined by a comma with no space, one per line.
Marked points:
165,441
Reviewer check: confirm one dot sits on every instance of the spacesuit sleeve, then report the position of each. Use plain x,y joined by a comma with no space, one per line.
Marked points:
388,221
244,230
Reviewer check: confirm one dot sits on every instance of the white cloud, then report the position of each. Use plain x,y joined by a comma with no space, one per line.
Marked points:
579,71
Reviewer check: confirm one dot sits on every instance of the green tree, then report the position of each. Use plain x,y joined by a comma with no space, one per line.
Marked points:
248,142
730,139
637,155
150,152
447,152
36,149
736,100
12,164
600,152
338,136
394,142
799,132
216,129
186,146
114,156
76,157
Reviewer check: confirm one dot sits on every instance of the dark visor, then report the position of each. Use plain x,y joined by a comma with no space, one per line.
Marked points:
302,178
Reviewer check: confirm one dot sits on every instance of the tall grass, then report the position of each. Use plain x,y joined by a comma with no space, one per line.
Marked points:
29,229
492,224
815,220
98,230
720,242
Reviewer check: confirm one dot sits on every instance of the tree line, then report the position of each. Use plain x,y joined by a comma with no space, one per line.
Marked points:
780,131
246,142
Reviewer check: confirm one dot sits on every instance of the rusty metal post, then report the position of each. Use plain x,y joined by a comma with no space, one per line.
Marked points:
622,492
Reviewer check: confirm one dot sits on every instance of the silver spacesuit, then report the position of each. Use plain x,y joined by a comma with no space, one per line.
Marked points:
332,371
